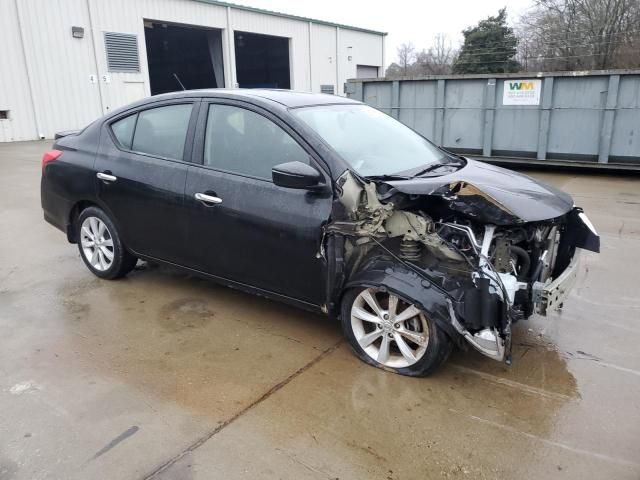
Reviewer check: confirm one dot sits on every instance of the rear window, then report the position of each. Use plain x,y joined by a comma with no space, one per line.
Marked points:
162,131
159,131
123,130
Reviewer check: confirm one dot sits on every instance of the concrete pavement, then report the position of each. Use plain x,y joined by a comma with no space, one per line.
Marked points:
163,375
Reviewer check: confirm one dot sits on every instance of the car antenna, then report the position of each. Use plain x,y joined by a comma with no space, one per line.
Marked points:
175,75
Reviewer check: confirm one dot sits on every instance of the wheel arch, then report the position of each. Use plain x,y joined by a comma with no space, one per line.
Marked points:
72,220
391,276
77,208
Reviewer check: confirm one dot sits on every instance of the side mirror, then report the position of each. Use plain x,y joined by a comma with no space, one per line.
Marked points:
295,175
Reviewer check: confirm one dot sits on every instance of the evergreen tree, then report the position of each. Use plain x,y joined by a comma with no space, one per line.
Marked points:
489,47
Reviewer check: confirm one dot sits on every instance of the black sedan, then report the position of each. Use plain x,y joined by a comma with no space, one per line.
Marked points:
324,203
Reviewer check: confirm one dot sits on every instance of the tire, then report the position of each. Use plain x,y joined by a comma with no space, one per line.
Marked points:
428,345
110,259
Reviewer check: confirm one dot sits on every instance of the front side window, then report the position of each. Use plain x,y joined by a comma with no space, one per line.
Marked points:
372,142
162,131
244,142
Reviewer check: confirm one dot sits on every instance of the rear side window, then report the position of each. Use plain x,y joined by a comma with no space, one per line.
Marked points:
162,131
245,142
123,130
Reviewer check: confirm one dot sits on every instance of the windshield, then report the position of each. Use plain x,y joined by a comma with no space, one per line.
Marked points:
373,143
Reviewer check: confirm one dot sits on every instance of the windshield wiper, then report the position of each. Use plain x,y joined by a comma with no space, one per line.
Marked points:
388,177
451,154
436,166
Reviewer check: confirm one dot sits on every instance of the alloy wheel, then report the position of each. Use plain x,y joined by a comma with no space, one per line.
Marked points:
391,331
97,243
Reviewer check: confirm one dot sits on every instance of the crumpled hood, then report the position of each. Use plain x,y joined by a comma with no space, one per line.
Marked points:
492,194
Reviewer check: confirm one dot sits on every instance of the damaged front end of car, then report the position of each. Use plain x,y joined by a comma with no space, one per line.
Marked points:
464,253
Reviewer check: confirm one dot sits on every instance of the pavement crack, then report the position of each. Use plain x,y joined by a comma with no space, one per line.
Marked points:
552,443
306,465
523,387
202,440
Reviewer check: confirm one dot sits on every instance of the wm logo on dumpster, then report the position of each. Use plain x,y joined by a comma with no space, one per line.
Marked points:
521,86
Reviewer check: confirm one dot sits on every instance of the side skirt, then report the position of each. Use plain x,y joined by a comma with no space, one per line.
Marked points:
310,307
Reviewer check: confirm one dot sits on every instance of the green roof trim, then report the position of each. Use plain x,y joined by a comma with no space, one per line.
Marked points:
291,17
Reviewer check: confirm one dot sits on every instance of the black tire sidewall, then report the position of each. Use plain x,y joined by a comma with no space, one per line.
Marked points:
438,348
121,263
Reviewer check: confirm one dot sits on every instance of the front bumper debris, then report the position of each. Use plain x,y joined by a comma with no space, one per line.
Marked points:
550,295
486,341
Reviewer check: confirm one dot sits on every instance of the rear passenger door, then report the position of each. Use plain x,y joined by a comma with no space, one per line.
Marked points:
255,233
141,173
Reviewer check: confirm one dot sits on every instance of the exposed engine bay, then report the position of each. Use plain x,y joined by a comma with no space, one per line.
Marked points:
467,259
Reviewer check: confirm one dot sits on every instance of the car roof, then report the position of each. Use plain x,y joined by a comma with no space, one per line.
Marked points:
288,98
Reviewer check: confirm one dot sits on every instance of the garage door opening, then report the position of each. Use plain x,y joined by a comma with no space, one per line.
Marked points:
262,61
366,71
183,57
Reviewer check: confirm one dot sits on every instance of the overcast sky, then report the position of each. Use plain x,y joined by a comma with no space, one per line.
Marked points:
405,20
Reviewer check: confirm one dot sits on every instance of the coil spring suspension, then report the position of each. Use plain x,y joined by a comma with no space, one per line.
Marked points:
410,249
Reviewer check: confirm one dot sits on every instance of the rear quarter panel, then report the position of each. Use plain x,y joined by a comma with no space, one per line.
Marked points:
69,179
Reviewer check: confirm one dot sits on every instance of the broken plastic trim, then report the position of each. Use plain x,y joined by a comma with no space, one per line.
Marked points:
550,295
486,341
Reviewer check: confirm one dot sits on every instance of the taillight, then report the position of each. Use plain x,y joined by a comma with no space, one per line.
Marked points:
50,156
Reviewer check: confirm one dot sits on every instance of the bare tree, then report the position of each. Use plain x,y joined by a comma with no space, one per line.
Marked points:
580,35
406,56
393,71
438,59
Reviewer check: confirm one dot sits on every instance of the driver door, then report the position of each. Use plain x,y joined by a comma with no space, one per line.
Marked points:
256,233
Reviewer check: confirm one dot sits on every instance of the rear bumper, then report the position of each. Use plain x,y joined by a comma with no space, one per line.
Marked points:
56,209
52,220
549,296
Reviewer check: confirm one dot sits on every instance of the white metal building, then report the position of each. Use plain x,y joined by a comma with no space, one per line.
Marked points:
67,62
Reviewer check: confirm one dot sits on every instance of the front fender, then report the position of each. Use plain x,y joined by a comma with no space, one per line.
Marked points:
392,276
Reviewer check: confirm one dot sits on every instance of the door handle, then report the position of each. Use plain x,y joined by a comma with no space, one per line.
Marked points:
106,177
208,198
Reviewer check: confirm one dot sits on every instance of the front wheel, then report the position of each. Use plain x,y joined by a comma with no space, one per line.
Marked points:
390,332
100,246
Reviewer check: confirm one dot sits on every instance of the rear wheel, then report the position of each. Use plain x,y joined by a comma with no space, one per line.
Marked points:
391,333
100,246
